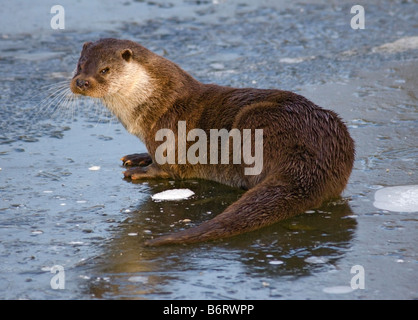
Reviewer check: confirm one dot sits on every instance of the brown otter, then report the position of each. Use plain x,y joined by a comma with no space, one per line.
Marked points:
308,153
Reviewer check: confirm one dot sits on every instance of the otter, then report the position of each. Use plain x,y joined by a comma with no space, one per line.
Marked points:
308,153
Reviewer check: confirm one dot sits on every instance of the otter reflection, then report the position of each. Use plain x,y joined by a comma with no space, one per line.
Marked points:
129,269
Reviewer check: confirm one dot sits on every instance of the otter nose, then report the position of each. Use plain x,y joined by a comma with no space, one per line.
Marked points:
82,84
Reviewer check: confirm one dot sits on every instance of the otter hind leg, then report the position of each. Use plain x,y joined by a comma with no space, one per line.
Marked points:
265,204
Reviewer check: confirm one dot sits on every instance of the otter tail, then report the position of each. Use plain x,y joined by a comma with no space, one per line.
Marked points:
261,206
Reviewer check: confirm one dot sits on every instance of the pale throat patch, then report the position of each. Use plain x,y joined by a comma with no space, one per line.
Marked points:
129,89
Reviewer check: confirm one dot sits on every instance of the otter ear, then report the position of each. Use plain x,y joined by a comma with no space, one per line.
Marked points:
127,54
86,45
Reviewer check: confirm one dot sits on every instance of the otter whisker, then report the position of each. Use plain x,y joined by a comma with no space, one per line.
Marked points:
56,85
45,104
56,98
65,104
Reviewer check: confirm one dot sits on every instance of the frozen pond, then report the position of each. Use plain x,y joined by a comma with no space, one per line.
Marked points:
63,200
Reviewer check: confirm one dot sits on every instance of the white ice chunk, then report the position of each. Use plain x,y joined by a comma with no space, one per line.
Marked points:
140,279
338,289
400,198
76,243
400,45
316,260
296,60
174,194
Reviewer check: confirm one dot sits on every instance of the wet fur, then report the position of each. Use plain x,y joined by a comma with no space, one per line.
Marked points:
308,152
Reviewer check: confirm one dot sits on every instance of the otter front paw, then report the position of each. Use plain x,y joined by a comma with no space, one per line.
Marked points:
136,159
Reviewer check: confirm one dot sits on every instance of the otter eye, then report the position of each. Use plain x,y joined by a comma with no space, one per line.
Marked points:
104,71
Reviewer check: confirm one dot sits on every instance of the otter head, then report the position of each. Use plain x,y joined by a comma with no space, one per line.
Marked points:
102,68
113,70
110,67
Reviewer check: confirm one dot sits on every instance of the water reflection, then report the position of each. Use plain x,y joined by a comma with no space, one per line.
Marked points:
297,247
305,244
